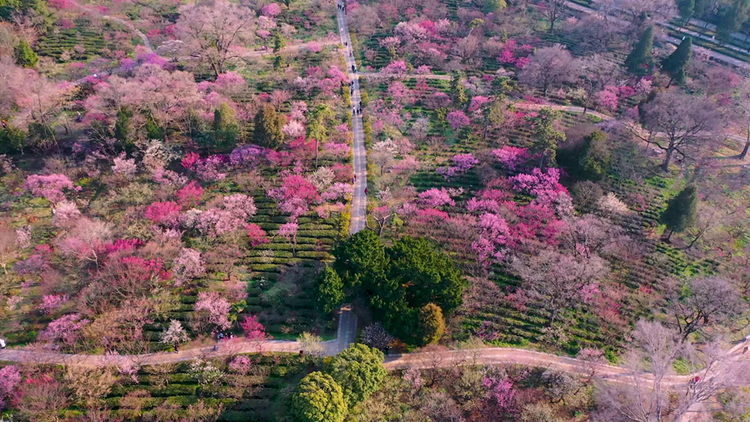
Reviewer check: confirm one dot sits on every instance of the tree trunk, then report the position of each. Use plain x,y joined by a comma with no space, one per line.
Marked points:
667,160
745,150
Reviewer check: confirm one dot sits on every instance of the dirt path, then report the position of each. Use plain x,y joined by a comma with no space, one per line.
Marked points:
371,75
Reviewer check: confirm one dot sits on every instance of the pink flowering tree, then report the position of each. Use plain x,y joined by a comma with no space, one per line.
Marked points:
65,214
460,164
255,331
510,157
51,303
397,67
50,186
434,197
10,379
608,97
216,310
544,186
229,217
164,213
457,119
289,232
500,395
295,196
66,329
256,235
271,10
493,236
187,266
190,194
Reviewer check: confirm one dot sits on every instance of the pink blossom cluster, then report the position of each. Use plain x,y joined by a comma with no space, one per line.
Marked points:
493,237
510,157
165,213
230,217
67,329
10,379
253,329
338,191
256,235
190,194
396,67
436,198
514,54
50,303
246,155
295,196
217,308
457,119
461,163
544,186
49,186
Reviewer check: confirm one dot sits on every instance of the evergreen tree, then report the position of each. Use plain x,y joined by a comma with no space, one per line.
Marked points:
681,211
546,136
153,131
640,61
330,290
730,20
676,64
595,156
267,127
360,259
278,42
686,9
431,324
318,398
12,140
123,128
226,129
458,92
359,371
493,6
24,55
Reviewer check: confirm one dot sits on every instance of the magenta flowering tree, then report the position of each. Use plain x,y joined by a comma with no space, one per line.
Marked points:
187,266
608,97
289,232
66,329
510,157
253,329
164,213
256,235
246,156
50,186
190,194
189,160
457,119
210,168
493,237
543,185
500,395
461,163
216,310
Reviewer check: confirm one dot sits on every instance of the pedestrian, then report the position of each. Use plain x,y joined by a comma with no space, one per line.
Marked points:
2,343
177,347
366,191
355,177
5,124
360,104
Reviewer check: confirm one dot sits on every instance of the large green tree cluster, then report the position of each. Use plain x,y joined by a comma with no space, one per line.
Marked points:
348,379
398,282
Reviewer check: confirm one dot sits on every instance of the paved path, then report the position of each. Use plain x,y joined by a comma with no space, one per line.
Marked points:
347,331
711,53
133,29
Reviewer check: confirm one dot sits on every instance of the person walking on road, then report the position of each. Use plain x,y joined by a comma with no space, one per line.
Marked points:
2,343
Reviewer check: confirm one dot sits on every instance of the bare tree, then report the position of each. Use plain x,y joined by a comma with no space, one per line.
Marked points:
596,72
553,10
559,281
549,67
640,12
649,393
685,122
702,302
743,112
214,31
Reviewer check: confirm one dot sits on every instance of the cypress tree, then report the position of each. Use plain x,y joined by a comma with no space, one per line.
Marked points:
730,20
153,131
278,42
681,211
431,323
122,127
458,92
677,62
267,127
225,127
640,61
24,55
